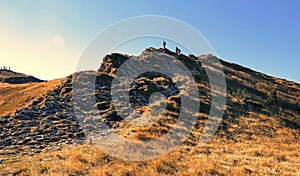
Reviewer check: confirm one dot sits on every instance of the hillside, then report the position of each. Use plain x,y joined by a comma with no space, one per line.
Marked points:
259,133
8,76
17,96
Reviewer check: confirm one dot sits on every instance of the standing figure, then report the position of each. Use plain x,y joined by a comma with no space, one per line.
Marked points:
178,51
164,44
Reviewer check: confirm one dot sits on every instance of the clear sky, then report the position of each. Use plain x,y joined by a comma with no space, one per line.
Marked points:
46,38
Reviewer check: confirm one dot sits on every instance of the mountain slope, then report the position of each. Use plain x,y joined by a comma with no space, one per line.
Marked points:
8,76
17,96
259,133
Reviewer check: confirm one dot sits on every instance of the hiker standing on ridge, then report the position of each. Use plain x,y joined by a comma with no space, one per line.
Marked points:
178,51
164,44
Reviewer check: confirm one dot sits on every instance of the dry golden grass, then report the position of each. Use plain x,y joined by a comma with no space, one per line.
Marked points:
17,96
264,156
248,154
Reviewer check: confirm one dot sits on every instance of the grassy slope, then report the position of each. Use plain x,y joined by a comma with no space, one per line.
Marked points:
17,96
249,154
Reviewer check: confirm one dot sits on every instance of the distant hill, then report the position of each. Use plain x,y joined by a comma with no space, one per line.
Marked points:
8,76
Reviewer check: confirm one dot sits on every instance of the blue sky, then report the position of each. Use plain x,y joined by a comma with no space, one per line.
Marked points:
47,37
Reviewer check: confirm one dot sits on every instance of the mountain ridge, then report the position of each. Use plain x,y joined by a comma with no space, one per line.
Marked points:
258,107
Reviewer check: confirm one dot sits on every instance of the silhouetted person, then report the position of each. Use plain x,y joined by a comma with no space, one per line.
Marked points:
164,44
178,51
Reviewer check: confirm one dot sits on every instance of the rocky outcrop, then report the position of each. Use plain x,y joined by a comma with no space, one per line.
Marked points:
49,120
